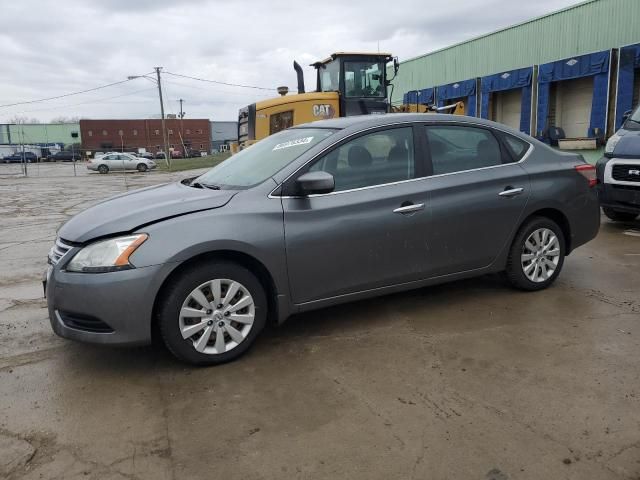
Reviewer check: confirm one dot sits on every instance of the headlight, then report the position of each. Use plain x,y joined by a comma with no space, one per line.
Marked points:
106,255
611,144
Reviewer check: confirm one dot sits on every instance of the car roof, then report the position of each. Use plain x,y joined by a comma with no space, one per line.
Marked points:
391,118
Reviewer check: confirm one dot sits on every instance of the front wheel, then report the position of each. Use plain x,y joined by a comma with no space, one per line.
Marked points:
142,167
618,216
212,313
536,255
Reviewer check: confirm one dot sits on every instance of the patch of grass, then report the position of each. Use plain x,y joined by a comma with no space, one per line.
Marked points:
179,164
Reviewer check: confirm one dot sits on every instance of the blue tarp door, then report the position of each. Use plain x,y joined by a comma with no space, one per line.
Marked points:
573,107
424,96
465,91
628,72
509,95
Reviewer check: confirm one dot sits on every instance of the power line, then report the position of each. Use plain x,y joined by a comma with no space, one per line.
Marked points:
67,94
211,89
97,100
220,83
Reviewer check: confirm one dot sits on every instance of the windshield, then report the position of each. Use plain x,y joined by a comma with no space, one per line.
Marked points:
364,79
255,164
330,76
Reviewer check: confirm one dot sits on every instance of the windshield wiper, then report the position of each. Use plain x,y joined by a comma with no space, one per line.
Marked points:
205,185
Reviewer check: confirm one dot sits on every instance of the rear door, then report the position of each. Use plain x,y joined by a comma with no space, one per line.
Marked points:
369,232
477,195
111,161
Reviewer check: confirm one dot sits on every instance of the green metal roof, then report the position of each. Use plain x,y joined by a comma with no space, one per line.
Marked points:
586,27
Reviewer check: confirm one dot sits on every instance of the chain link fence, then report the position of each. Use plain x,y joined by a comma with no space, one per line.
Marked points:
39,169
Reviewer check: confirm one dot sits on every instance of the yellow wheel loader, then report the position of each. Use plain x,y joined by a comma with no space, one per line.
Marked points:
347,83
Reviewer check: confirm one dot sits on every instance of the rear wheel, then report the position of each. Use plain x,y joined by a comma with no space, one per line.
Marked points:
536,255
212,313
618,216
142,167
103,169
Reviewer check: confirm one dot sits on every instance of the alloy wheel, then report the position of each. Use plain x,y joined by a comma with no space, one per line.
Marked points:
540,255
217,316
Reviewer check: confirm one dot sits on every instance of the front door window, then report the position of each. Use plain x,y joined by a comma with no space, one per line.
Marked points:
374,159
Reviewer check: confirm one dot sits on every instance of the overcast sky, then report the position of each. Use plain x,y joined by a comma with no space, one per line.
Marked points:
52,48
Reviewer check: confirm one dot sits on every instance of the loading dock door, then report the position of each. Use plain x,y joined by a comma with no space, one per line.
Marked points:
636,88
582,95
574,106
507,107
628,87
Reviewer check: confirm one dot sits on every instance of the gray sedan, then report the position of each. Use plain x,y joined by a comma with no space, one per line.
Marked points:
313,216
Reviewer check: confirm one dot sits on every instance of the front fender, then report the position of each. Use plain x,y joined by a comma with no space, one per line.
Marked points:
254,228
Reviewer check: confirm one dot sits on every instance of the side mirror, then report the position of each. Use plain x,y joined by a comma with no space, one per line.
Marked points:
626,115
396,65
313,183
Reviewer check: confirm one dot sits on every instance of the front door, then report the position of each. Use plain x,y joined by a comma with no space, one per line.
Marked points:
368,232
130,161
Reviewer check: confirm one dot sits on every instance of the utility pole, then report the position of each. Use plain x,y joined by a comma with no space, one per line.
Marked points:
164,126
184,151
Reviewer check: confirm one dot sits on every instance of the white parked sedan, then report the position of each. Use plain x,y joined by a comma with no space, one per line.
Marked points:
120,161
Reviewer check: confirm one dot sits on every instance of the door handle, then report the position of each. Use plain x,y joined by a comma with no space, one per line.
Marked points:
511,192
409,209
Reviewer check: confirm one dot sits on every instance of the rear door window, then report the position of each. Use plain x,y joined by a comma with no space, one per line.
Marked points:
456,148
517,148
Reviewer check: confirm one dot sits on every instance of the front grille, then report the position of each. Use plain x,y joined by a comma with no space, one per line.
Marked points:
85,323
59,250
626,173
631,188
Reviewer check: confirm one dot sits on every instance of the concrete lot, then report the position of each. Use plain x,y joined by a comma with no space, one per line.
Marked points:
470,380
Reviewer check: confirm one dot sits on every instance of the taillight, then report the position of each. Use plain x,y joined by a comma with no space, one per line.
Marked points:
588,172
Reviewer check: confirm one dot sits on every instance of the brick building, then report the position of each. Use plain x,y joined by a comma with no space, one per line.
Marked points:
131,135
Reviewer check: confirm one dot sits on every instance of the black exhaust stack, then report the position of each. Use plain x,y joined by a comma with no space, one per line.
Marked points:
300,74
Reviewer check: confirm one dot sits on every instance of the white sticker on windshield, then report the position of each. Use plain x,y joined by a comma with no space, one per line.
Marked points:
293,143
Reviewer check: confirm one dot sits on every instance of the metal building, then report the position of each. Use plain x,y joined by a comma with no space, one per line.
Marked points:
223,133
40,133
577,69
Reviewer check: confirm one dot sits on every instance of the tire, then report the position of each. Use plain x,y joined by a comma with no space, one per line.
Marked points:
237,337
527,267
103,169
142,167
618,216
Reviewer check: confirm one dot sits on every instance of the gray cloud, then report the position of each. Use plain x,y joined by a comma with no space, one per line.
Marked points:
51,47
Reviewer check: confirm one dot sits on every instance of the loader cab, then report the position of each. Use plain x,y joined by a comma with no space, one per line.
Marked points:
359,78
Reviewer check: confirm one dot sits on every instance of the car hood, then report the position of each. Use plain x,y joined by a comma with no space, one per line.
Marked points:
124,213
629,143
